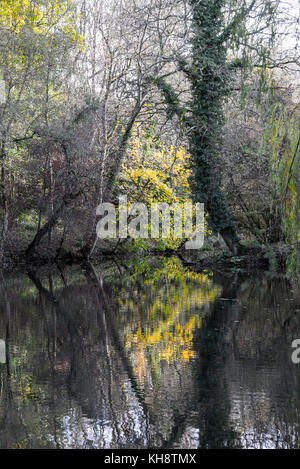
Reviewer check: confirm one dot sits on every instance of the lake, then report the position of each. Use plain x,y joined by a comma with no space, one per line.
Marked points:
148,353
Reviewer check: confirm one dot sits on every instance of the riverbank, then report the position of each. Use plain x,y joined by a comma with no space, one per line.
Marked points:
277,258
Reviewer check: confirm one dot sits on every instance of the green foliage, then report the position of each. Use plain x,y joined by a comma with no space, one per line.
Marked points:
209,85
281,142
293,264
27,221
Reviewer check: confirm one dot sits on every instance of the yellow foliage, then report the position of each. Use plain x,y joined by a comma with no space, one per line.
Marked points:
156,173
42,18
159,174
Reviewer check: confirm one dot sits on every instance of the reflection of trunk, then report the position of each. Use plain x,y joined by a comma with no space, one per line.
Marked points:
112,330
13,415
104,327
7,340
108,337
214,405
52,332
9,408
44,292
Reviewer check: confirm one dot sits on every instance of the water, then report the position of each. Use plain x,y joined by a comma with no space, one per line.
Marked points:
148,354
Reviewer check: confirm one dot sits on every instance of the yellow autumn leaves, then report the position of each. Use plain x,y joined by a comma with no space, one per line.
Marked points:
42,18
156,173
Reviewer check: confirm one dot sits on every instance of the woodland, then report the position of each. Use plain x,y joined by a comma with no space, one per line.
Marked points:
161,100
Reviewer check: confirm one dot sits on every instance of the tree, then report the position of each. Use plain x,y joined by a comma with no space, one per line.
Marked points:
37,44
126,43
245,31
80,78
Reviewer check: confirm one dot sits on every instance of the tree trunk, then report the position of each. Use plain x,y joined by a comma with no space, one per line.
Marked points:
210,84
111,184
50,224
4,210
45,229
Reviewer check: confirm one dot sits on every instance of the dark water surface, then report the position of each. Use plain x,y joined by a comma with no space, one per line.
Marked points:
148,354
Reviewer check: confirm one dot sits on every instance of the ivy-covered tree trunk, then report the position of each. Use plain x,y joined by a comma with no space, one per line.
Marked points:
210,80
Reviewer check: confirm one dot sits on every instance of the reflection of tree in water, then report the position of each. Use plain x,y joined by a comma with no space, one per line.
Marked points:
213,401
139,357
80,399
158,323
248,394
264,384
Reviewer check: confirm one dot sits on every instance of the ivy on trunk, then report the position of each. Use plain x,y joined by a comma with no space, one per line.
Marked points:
209,75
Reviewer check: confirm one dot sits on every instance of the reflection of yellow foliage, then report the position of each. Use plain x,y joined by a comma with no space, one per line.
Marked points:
21,383
172,340
23,387
172,269
163,326
176,344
